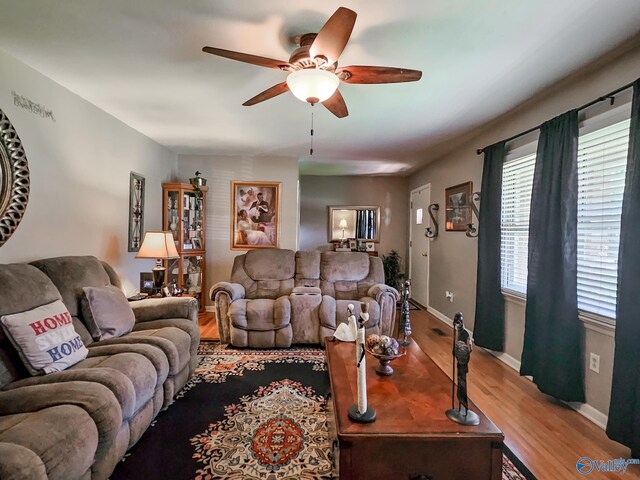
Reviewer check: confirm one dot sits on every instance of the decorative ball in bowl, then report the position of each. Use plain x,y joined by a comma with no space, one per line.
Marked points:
385,349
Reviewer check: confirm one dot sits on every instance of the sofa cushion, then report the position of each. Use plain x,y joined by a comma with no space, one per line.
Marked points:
17,283
106,312
270,264
344,266
71,274
45,338
261,315
308,265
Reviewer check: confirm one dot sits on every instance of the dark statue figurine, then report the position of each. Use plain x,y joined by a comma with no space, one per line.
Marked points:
462,347
404,327
462,353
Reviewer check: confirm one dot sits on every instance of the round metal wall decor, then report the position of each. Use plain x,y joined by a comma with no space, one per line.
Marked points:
14,179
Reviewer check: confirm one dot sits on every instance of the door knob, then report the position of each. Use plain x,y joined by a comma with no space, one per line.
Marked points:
424,254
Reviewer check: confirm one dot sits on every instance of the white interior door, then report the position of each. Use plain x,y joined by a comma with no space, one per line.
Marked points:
419,245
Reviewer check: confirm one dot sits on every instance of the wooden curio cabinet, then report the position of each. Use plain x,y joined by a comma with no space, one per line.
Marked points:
184,215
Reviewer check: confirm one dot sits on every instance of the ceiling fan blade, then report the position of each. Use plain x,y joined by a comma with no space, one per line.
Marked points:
267,94
334,35
336,105
247,58
363,74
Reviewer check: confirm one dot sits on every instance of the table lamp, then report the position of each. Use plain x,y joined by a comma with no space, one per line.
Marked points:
158,245
343,225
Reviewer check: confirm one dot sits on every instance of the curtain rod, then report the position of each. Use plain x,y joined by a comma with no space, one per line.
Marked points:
609,96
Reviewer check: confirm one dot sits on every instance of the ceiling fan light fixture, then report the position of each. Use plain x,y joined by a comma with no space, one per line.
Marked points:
312,85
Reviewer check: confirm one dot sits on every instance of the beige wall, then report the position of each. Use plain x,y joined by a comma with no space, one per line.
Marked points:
219,172
454,257
79,169
390,193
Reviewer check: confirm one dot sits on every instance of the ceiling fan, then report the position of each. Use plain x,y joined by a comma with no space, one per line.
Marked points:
314,73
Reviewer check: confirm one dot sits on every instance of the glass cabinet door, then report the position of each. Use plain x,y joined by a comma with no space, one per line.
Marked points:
173,219
186,273
192,221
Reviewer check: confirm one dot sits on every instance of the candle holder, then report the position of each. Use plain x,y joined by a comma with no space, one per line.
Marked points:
361,412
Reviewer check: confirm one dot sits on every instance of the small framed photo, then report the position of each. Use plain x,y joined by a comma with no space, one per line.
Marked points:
458,212
353,244
146,283
370,247
197,243
165,291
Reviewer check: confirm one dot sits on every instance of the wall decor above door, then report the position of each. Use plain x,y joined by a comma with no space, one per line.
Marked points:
14,179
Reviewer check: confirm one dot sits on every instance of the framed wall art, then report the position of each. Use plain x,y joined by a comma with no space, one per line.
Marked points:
458,211
255,215
136,211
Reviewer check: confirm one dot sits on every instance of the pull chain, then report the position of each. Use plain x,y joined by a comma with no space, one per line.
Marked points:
311,149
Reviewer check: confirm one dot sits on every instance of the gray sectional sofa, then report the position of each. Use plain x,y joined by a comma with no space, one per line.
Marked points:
79,422
279,297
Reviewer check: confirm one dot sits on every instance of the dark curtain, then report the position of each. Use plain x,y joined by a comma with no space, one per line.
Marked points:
365,223
553,335
488,328
624,410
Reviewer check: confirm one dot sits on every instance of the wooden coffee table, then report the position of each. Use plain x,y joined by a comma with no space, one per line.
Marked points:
412,438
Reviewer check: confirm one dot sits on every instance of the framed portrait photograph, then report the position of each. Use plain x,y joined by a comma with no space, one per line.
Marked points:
197,243
353,244
255,215
458,211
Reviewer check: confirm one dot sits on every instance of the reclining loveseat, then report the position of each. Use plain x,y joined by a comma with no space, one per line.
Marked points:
279,297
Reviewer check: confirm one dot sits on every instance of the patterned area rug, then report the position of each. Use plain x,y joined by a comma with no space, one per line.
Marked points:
246,414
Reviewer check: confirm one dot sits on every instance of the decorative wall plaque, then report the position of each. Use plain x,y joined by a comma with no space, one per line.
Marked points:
136,211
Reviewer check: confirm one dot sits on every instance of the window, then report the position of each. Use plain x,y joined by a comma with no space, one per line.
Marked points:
602,163
517,182
602,160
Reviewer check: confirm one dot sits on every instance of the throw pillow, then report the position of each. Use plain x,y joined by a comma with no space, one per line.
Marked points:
45,338
106,312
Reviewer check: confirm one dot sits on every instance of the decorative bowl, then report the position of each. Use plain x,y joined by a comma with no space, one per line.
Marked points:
384,368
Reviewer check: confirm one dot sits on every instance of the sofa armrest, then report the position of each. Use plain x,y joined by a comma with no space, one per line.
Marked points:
224,294
168,307
387,297
235,291
378,290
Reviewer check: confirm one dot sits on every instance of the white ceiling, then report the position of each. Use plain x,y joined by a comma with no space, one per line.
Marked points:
141,61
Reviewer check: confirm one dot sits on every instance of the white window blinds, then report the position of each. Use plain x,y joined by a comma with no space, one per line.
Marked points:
602,161
517,182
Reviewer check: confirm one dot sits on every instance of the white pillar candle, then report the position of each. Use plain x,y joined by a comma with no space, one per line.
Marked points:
362,373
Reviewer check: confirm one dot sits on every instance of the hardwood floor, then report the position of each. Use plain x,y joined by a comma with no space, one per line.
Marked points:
546,435
208,326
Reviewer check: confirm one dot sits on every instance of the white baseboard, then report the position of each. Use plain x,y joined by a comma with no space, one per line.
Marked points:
590,413
584,409
506,358
440,316
210,308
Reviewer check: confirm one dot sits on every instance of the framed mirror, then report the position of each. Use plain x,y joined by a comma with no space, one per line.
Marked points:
14,179
361,222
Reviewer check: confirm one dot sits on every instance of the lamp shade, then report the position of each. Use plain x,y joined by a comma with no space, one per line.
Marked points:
342,224
158,245
312,85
